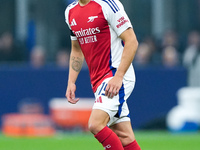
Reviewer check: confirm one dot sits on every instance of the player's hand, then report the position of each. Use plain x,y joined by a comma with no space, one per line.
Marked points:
113,86
70,93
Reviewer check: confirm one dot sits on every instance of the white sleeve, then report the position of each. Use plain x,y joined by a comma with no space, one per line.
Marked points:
116,16
73,37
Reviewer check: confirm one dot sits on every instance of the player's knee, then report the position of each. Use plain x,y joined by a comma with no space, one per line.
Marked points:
95,127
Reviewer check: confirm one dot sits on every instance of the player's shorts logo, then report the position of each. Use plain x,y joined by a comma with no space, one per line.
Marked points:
91,19
99,100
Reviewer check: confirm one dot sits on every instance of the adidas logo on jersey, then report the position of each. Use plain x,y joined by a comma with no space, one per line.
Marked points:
73,23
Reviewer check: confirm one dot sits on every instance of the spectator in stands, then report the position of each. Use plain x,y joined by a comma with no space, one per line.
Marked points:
170,57
143,55
191,58
155,53
170,38
38,57
9,50
62,58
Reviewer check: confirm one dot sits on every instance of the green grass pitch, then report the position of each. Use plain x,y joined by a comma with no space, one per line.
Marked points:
148,140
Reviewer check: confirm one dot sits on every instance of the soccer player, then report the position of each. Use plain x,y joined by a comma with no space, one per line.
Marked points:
102,34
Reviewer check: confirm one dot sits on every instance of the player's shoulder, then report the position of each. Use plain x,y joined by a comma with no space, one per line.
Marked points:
72,5
69,7
106,1
110,5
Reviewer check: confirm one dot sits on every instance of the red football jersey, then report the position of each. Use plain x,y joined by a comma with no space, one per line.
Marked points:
97,27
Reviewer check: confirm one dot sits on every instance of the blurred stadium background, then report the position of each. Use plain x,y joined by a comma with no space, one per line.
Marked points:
34,54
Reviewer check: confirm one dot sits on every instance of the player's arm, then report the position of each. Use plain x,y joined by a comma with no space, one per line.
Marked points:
76,61
130,48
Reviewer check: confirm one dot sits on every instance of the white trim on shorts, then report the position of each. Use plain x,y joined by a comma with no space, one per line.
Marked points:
116,107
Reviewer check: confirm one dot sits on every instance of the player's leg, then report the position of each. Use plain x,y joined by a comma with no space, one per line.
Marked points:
97,125
97,121
124,132
126,135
